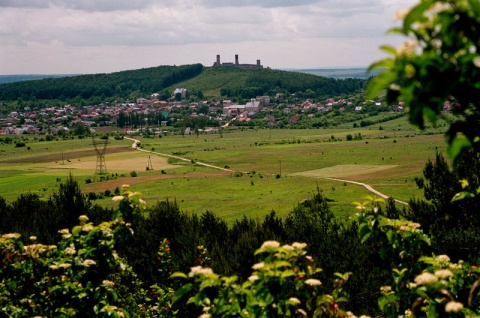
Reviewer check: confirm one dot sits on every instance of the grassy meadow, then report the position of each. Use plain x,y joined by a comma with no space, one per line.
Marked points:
386,159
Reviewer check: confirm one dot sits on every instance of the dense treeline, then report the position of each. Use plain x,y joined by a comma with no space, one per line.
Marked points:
266,81
98,87
119,84
230,249
334,243
452,225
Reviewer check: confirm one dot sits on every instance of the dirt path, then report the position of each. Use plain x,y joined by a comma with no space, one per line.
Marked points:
136,142
369,188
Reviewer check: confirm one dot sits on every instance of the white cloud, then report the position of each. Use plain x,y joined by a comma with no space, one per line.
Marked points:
91,30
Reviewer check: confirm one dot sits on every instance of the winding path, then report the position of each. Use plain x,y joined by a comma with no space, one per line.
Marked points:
135,146
367,186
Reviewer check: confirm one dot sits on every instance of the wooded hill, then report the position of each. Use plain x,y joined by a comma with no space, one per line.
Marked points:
211,82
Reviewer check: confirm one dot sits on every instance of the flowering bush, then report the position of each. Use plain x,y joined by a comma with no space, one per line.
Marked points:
74,277
437,67
283,284
422,286
67,279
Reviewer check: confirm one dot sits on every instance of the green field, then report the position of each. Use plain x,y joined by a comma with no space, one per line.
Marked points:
386,159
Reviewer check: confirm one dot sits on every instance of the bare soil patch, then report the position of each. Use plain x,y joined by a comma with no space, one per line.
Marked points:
137,161
72,155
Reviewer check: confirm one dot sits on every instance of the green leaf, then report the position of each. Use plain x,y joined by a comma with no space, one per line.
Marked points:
395,31
462,195
456,146
178,274
288,273
76,230
464,183
416,13
125,313
12,285
382,64
475,4
341,299
182,291
365,237
282,264
378,83
389,49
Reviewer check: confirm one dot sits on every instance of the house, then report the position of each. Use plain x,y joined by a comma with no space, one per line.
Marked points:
142,100
181,91
253,106
263,99
293,119
358,108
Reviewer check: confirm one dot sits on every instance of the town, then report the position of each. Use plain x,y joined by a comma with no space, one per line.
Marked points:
180,114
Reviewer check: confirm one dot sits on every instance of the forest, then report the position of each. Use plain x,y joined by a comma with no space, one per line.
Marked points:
96,88
119,84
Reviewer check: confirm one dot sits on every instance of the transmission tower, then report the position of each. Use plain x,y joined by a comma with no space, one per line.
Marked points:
100,149
149,166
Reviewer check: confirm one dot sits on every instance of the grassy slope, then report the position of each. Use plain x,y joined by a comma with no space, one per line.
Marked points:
211,80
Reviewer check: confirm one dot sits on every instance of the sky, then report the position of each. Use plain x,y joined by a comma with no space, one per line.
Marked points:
104,36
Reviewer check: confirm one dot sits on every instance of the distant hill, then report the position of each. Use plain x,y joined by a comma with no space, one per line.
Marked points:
199,80
231,81
145,80
28,77
339,73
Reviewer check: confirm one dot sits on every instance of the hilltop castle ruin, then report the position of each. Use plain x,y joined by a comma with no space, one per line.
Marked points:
240,66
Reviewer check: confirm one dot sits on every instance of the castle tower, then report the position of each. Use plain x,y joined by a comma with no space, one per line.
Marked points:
218,59
236,59
258,63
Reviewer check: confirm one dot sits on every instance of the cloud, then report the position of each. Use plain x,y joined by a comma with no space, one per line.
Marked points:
86,5
88,29
256,3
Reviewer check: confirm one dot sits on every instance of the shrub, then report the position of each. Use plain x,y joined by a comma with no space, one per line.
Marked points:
71,278
283,283
133,174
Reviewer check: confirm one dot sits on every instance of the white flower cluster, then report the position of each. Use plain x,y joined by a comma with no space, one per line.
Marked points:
270,244
313,282
11,236
258,266
453,306
108,283
425,279
443,273
89,262
199,270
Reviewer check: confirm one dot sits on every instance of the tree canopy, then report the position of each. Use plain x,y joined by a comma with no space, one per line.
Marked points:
437,68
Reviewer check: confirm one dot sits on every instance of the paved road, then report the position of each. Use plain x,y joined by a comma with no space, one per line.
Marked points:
368,187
